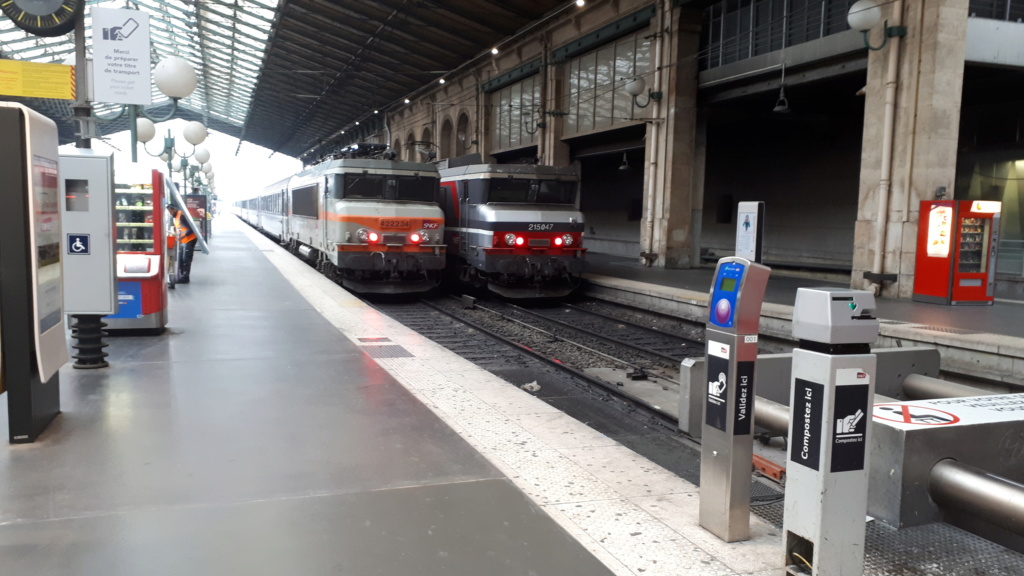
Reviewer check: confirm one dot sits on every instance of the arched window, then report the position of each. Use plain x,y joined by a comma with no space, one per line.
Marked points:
445,143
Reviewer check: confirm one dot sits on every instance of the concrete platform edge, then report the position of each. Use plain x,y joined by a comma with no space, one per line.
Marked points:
988,356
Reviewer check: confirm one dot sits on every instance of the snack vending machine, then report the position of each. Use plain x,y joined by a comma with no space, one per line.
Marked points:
141,223
957,241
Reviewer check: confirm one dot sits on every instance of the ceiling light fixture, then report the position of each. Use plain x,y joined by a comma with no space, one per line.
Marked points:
494,50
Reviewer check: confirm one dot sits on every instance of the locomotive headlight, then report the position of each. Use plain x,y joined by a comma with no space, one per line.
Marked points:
520,240
510,239
558,241
363,235
424,236
567,239
415,238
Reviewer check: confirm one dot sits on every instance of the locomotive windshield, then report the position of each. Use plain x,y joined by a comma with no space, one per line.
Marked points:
417,188
524,191
384,187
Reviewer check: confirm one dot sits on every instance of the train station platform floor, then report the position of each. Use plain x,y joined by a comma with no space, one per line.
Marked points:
984,342
282,426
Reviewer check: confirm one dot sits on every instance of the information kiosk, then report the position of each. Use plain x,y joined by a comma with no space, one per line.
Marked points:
33,346
833,388
727,444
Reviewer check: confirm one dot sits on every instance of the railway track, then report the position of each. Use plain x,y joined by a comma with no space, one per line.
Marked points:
625,358
582,379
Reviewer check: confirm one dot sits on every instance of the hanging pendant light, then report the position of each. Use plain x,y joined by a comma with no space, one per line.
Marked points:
782,105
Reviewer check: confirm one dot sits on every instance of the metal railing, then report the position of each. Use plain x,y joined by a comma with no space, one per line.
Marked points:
1010,259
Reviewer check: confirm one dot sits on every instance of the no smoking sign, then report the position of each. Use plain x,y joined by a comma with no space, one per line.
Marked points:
911,414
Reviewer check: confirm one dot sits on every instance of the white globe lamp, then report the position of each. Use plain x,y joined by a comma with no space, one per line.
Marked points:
864,15
175,77
202,155
207,167
195,133
145,130
635,87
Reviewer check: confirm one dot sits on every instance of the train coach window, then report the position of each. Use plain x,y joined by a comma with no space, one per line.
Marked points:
417,188
366,186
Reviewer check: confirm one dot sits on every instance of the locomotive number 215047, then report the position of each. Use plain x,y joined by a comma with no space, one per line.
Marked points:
540,227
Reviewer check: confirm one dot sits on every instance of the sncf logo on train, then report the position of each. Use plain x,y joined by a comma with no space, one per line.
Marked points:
428,225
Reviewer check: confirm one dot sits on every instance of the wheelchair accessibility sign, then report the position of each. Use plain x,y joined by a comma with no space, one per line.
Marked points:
78,244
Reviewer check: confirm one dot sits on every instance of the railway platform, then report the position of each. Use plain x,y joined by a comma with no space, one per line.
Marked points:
976,342
282,426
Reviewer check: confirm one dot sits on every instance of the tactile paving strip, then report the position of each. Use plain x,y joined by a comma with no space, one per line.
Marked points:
946,330
391,351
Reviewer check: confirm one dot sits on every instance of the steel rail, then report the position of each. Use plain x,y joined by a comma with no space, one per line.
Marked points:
663,418
608,339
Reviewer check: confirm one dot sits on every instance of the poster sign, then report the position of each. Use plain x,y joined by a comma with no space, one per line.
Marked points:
940,227
749,228
45,255
718,384
121,67
37,80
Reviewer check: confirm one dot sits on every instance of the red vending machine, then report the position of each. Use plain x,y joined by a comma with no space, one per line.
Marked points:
141,222
956,252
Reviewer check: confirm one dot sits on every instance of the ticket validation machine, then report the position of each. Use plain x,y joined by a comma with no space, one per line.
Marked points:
87,218
727,445
33,346
833,388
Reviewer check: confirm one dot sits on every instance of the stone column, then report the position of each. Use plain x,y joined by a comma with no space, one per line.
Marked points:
556,151
927,121
675,194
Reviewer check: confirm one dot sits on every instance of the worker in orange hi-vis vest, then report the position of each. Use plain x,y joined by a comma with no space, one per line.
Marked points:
186,244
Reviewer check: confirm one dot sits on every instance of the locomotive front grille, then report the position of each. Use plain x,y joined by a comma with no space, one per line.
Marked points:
394,238
541,242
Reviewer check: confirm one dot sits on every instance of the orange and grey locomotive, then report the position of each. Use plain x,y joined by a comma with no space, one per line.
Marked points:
364,219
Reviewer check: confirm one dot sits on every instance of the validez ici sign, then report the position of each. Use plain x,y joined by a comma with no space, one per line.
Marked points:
121,67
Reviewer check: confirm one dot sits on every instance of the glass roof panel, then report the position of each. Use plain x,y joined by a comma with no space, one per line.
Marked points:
226,42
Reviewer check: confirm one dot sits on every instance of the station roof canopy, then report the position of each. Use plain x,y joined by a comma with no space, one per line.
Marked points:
291,74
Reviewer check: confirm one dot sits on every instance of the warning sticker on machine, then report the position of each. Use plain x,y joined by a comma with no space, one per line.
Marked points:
951,411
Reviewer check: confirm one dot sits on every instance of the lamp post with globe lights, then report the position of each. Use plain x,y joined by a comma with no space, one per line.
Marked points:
175,78
194,133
